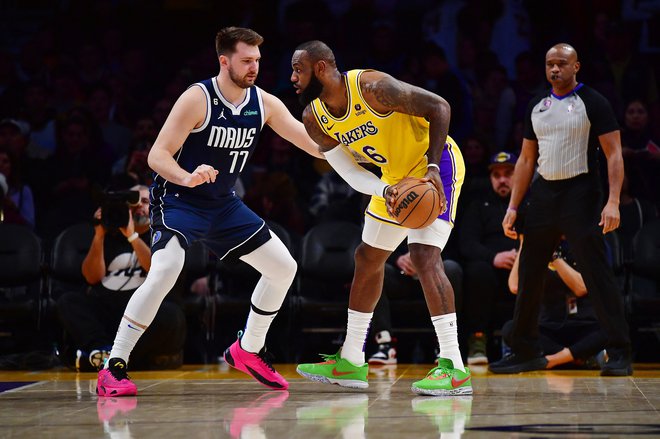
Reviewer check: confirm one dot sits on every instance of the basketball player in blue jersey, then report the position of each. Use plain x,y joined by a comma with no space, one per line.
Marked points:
370,116
203,146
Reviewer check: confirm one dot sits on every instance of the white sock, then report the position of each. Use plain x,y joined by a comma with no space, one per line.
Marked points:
256,328
446,328
166,265
356,336
127,337
277,268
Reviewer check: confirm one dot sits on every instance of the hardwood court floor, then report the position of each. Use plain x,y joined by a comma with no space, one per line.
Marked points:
216,402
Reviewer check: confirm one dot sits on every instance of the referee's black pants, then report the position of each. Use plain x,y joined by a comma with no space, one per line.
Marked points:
571,207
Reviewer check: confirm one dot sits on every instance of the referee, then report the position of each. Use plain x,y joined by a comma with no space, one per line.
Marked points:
563,130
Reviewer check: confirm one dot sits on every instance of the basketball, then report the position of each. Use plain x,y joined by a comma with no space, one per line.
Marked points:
417,204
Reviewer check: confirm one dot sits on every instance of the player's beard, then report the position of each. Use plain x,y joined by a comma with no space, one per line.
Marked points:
242,82
311,92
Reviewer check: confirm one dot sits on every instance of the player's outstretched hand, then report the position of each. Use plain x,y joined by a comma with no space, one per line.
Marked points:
202,174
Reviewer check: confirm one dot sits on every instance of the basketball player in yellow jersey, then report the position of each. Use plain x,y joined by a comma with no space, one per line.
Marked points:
367,115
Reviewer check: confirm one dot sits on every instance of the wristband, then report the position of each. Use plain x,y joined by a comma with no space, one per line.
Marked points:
133,237
385,191
433,165
512,209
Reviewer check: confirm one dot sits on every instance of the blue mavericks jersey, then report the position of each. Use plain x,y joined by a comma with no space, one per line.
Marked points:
225,140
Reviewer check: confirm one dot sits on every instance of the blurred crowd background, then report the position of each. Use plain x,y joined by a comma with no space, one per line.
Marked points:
85,87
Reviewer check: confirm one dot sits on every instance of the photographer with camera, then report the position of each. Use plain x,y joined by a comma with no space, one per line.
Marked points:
115,266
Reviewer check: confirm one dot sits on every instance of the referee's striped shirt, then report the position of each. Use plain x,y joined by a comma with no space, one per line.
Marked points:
567,129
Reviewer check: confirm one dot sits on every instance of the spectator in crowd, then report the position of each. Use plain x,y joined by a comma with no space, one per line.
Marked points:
334,199
92,70
15,137
80,164
438,77
620,72
488,256
494,106
527,84
641,151
160,111
134,163
635,212
18,203
116,264
275,198
9,85
37,111
569,331
67,92
102,107
476,153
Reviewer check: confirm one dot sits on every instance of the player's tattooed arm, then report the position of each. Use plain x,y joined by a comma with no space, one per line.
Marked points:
325,142
384,94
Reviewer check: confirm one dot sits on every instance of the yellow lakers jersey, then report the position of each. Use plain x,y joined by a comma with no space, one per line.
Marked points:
396,142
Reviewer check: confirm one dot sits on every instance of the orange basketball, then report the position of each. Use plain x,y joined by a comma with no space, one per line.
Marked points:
417,204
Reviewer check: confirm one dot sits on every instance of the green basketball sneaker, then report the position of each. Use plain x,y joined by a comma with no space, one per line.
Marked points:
444,380
336,370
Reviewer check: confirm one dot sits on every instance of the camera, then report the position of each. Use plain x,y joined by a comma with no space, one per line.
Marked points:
115,206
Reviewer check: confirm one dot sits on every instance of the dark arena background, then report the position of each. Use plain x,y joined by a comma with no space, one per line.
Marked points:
85,87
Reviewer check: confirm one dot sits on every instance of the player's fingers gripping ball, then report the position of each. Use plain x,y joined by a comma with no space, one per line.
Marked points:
417,203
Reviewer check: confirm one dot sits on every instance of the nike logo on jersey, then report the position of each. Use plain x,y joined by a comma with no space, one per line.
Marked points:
329,127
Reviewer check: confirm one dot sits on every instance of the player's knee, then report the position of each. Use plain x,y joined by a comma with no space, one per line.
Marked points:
288,268
424,258
283,270
165,268
367,255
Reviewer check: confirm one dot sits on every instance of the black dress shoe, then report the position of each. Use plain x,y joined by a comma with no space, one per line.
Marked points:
514,363
618,364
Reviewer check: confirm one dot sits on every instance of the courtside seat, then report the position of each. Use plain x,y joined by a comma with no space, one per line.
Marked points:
21,284
325,273
643,300
67,255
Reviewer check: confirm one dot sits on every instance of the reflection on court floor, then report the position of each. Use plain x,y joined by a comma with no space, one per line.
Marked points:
210,401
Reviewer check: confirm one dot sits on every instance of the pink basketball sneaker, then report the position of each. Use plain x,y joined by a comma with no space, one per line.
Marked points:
114,380
258,365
